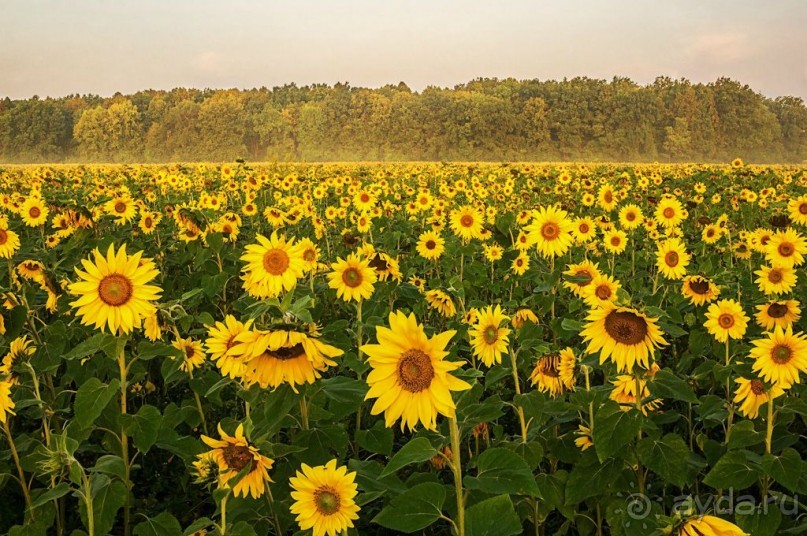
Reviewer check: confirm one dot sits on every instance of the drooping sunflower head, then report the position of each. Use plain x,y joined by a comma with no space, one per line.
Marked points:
522,317
625,335
324,499
113,290
626,388
442,302
699,290
554,372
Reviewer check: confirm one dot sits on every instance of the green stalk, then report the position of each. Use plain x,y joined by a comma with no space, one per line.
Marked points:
456,467
14,454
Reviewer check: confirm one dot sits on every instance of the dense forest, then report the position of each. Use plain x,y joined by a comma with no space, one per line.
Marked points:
486,119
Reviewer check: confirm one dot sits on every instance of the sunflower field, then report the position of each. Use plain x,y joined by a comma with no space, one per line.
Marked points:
470,349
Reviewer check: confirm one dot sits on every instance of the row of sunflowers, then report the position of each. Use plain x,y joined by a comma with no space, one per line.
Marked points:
403,348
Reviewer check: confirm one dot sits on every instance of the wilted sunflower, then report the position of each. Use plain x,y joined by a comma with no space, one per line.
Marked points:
114,291
488,339
9,243
711,525
523,316
439,300
233,454
324,499
385,267
273,266
410,377
32,270
751,394
623,334
782,313
579,276
282,356
6,403
352,278
221,339
430,245
725,319
551,231
672,258
780,357
699,290
554,373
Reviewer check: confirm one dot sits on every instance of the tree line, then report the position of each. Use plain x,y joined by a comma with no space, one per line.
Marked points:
485,119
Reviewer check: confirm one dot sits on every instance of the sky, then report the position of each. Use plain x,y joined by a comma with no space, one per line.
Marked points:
60,47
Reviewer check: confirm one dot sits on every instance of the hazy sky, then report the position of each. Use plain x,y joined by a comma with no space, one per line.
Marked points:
59,47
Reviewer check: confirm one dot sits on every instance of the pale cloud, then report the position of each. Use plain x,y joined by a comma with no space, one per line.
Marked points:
720,47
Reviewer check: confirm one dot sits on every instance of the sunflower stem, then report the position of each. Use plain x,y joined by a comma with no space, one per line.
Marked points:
359,353
223,530
639,470
519,409
456,467
14,454
304,412
769,431
729,405
198,403
86,494
124,443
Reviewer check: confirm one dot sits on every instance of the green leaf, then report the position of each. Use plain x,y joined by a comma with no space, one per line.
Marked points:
492,517
91,399
60,490
93,345
667,458
110,465
500,470
614,428
667,385
733,470
784,469
377,439
415,509
149,350
414,451
143,427
744,435
108,497
587,481
763,521
164,524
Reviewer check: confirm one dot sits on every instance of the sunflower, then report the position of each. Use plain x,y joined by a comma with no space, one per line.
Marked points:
352,278
780,357
220,341
283,356
776,279
554,373
711,525
324,499
114,291
489,340
466,222
725,319
410,377
630,217
699,290
584,229
624,334
523,316
9,243
151,327
439,300
583,440
672,258
6,403
615,241
32,270
193,356
797,209
601,291
273,266
551,231
122,207
624,393
19,347
386,267
234,454
669,212
711,233
34,212
493,252
751,394
309,254
786,248
521,263
579,276
782,313
606,197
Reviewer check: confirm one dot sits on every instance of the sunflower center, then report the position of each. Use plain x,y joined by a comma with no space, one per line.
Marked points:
725,320
615,241
630,216
148,221
284,353
120,207
351,277
757,387
189,351
626,327
786,249
34,212
365,198
583,228
430,244
467,220
415,371
803,208
550,231
491,334
378,263
115,289
309,255
548,365
669,212
3,237
237,456
671,259
775,276
781,354
603,292
327,500
699,286
608,197
275,261
777,310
